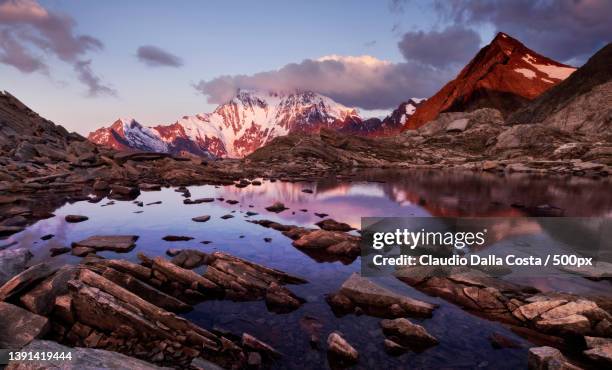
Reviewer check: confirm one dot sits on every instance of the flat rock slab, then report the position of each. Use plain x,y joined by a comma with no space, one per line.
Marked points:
25,279
364,292
18,327
82,358
115,243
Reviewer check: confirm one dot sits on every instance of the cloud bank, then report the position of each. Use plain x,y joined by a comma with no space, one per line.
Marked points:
453,45
26,26
156,57
362,81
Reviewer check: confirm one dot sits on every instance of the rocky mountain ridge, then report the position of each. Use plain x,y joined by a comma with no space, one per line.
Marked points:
504,75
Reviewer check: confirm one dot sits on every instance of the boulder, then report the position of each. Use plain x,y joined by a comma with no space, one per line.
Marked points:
18,327
366,294
408,334
339,347
12,262
548,358
115,243
572,324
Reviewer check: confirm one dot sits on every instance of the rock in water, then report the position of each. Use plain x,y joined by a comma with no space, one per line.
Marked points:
201,218
338,346
76,218
408,334
115,243
276,207
176,238
19,327
333,225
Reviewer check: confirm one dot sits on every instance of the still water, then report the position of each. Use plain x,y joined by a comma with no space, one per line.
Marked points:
463,337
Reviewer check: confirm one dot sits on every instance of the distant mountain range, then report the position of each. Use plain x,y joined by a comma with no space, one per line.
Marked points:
504,75
245,123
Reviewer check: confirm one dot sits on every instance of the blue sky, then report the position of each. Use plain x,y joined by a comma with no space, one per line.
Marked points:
218,38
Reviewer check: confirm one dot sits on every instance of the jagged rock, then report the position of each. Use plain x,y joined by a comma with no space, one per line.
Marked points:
76,218
408,334
41,299
250,342
377,300
333,225
25,279
338,346
276,207
82,358
201,218
115,243
548,358
532,310
393,348
18,327
12,262
183,276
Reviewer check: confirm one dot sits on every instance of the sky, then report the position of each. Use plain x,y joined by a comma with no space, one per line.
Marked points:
83,64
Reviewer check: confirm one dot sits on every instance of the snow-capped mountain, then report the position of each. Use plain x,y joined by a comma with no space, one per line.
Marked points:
504,75
235,128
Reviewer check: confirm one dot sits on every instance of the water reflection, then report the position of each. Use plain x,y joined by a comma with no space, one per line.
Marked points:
464,340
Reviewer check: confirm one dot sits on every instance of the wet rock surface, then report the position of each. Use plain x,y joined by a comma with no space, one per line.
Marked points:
115,243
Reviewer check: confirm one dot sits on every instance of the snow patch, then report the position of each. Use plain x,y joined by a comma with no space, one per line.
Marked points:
526,72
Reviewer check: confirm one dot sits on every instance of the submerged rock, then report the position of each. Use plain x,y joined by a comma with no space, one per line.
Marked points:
408,334
338,347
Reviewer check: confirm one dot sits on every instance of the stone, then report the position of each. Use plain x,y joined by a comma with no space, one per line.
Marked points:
363,292
408,334
47,237
81,358
333,225
276,207
338,346
25,279
41,299
580,307
59,250
124,192
115,243
226,217
201,218
572,324
139,271
190,258
18,327
250,342
12,262
198,201
82,251
76,218
393,348
182,275
149,187
600,354
323,239
10,230
176,238
532,310
458,125
547,358
101,185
